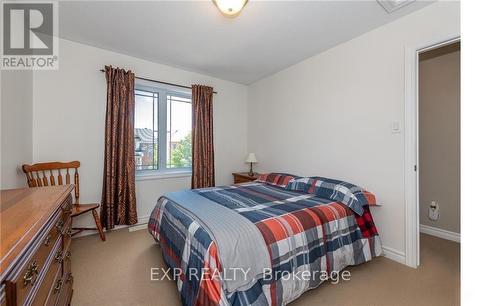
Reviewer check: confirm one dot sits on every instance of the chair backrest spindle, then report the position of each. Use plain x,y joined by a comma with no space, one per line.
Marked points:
59,177
77,185
38,180
45,181
52,180
67,176
31,180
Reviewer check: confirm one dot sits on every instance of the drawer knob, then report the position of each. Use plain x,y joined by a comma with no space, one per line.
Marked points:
58,286
59,257
59,226
31,274
47,240
68,254
68,232
67,209
69,278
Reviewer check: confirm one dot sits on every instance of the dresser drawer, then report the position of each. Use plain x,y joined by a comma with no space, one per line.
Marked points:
25,278
67,261
54,291
66,235
66,208
48,291
67,290
3,296
50,238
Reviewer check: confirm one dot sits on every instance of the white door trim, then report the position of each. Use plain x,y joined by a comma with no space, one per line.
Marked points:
412,237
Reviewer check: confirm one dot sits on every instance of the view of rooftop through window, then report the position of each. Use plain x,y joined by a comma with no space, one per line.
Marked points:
162,129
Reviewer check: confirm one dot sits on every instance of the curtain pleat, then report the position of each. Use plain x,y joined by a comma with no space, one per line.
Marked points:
203,139
118,206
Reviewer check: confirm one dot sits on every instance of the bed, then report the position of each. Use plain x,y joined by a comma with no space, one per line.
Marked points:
264,242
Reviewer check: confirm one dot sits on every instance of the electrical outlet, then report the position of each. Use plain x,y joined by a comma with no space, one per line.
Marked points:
434,211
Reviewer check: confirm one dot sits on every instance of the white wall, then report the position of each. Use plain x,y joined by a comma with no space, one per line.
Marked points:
69,111
17,126
331,114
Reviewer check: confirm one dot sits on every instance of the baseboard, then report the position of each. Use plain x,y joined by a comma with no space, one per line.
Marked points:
143,219
142,223
441,233
395,255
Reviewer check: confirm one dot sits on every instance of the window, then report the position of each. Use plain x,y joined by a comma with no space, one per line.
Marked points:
162,128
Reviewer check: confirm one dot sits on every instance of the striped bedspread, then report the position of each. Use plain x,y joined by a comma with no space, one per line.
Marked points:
307,238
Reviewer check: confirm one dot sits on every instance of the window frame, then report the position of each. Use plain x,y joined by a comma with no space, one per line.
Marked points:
163,91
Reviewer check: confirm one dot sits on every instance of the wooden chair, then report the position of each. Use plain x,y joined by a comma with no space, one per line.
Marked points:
37,177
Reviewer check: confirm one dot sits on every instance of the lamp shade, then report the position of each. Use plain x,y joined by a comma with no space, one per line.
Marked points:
251,158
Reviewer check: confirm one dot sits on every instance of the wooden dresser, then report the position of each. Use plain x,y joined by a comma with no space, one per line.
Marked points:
35,266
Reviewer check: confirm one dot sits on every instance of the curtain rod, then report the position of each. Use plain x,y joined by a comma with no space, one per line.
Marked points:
166,83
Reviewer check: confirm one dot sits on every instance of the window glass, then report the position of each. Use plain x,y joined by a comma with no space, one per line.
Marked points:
162,129
178,154
146,130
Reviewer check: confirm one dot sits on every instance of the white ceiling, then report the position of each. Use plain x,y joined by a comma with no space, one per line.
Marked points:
265,38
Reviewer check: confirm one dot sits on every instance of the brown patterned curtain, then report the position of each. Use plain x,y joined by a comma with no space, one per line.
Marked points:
203,137
118,190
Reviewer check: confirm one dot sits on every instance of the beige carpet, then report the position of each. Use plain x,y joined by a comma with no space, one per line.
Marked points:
117,272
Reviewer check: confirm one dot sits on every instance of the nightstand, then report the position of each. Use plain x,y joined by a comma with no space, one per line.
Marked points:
244,177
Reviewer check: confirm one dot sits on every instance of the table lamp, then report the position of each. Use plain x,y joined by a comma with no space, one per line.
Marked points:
251,159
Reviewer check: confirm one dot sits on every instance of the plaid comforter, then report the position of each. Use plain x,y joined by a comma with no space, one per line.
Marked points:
307,238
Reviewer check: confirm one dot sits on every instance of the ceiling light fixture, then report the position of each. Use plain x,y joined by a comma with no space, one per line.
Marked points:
230,8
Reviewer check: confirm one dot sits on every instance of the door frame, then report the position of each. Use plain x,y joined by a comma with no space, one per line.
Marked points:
411,170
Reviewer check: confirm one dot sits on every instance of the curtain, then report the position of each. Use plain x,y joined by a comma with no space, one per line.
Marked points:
118,205
203,138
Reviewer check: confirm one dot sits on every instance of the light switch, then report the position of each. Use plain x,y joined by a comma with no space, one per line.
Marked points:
396,127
